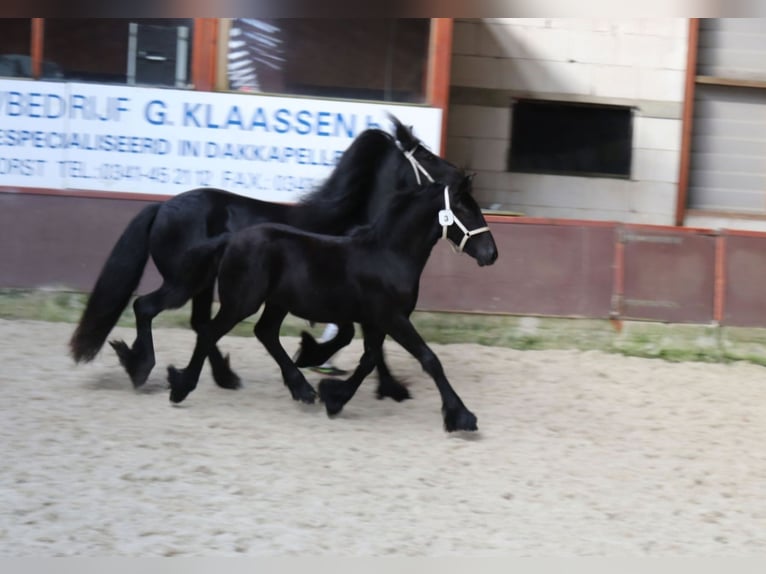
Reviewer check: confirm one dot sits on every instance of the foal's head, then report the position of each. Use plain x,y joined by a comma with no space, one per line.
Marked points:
463,223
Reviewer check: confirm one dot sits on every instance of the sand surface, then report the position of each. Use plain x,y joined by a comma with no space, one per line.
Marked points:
578,453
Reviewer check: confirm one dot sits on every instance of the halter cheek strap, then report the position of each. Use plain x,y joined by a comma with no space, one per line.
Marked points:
416,167
448,218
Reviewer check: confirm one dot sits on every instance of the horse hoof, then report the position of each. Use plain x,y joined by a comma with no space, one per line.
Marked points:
137,370
308,398
393,390
334,394
223,376
305,393
179,388
231,383
460,420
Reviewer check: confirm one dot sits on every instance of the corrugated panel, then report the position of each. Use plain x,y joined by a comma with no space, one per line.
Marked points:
732,47
728,156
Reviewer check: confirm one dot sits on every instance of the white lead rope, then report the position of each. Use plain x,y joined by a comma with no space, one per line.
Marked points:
447,218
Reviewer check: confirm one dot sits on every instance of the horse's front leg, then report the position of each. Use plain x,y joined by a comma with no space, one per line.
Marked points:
223,375
388,386
456,415
267,332
335,393
184,381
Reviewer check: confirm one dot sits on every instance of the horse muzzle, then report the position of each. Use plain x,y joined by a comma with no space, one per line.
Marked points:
487,258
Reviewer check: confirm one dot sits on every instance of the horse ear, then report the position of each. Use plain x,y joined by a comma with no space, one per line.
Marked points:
402,133
466,183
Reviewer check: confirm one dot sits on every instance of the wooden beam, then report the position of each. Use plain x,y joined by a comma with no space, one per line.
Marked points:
687,121
719,283
36,49
204,53
735,82
439,64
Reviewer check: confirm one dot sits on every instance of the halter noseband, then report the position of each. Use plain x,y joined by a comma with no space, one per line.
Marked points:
447,218
416,167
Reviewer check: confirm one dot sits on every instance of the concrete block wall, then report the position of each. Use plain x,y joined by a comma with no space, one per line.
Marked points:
639,63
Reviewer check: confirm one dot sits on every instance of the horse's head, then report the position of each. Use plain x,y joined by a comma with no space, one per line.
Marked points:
463,223
424,165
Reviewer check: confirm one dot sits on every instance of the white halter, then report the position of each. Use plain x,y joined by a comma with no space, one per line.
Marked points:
447,218
416,167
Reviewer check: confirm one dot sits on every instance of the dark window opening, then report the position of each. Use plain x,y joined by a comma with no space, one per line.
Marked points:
148,51
15,42
571,138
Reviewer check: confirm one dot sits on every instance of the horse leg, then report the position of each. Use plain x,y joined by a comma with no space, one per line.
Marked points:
335,393
138,360
223,375
184,381
267,332
311,353
456,415
388,386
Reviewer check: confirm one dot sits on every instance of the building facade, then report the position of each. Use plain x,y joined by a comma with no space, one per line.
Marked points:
621,163
693,92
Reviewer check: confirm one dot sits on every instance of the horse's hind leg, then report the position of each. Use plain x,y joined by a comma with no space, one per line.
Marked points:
267,331
335,393
138,359
311,353
388,386
184,381
223,375
456,415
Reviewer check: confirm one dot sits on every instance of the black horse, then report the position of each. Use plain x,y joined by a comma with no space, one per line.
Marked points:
377,274
360,184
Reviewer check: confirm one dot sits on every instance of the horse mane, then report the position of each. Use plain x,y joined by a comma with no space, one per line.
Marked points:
346,192
403,134
400,201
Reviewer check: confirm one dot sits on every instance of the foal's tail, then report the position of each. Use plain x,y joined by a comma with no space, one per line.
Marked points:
114,287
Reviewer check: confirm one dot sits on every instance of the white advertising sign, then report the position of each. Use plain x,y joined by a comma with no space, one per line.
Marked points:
126,139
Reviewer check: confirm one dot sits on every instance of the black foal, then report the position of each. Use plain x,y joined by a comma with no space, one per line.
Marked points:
370,277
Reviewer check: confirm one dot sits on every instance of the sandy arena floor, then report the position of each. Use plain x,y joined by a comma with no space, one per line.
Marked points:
578,453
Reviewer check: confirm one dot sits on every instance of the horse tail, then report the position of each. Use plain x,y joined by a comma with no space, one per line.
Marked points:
114,287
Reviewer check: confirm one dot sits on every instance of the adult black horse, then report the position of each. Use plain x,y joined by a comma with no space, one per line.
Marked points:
280,267
374,164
